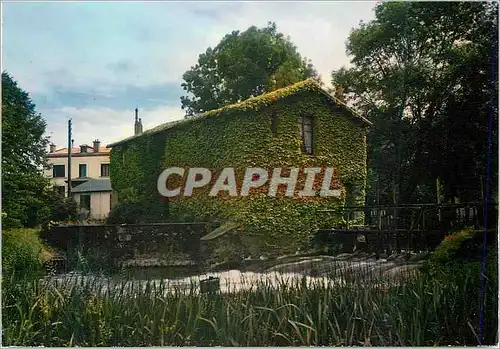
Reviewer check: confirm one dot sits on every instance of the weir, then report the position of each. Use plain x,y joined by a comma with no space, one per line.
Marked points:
381,230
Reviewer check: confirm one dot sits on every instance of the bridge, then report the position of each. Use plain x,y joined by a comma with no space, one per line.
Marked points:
417,227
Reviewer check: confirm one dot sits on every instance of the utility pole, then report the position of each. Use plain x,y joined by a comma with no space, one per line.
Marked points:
70,146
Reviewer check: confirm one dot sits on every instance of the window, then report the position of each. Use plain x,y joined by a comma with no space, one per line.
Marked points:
306,133
58,171
82,170
104,170
85,201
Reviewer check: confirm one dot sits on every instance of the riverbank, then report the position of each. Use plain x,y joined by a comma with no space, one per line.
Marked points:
317,300
424,311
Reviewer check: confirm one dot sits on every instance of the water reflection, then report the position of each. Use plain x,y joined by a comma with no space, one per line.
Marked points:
307,271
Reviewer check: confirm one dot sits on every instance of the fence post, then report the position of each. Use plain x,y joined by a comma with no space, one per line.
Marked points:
379,227
348,217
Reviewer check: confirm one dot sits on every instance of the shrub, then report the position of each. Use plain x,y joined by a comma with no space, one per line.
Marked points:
22,252
460,248
449,249
125,213
62,209
459,259
23,255
134,209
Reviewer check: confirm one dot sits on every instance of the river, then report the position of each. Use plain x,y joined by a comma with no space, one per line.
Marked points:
282,272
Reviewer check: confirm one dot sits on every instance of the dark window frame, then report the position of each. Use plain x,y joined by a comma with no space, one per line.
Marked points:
83,203
80,166
102,172
307,149
59,167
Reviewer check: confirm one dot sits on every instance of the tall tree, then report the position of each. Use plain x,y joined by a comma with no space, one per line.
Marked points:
242,65
23,158
421,73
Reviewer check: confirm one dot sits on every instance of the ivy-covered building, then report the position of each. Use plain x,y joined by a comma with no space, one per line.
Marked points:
299,126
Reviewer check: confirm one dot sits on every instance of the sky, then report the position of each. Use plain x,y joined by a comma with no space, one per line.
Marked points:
95,62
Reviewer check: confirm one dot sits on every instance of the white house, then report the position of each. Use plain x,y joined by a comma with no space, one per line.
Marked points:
91,187
90,183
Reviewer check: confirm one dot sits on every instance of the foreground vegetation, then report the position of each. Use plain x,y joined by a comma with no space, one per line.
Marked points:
23,253
425,312
441,307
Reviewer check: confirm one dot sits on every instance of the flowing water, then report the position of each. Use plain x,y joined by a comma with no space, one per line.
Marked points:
287,272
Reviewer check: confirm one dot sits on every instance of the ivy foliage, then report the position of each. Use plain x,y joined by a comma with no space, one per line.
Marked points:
241,136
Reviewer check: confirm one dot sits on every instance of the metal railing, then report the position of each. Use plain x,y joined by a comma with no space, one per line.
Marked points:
409,227
418,216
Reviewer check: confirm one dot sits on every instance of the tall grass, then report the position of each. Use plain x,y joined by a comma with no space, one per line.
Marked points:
439,307
425,311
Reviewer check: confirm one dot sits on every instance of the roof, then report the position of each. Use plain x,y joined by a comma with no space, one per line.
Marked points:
254,103
63,152
93,185
76,150
153,130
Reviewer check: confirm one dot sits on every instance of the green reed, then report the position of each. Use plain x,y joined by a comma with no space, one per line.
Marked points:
424,311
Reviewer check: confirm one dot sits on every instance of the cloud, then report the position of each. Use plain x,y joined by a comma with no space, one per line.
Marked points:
122,66
88,39
105,124
119,98
141,44
99,60
319,30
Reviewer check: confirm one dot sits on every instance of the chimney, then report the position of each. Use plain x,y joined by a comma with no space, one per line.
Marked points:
97,144
52,147
83,148
136,124
140,126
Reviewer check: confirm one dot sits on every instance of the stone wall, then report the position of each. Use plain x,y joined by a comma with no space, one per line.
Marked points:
160,244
